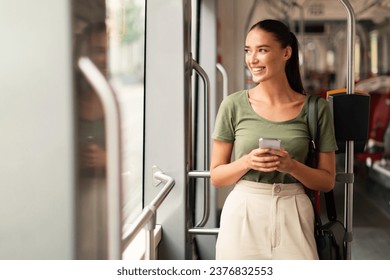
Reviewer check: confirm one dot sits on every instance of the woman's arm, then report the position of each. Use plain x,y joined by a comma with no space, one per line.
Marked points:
222,171
321,178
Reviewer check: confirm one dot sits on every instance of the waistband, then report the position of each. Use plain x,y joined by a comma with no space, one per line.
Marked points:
277,189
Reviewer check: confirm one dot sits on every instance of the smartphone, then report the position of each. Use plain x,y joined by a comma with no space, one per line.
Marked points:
269,143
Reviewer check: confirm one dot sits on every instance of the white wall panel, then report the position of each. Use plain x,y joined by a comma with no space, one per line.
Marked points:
164,118
36,124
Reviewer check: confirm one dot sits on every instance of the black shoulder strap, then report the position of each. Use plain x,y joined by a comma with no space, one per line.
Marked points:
312,121
312,117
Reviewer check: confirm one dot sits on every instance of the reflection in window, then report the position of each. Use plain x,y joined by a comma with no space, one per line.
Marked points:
111,34
126,20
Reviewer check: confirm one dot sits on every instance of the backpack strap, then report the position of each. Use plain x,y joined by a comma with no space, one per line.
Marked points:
312,157
312,118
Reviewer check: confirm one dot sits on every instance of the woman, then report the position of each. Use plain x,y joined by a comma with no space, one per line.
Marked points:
268,215
91,231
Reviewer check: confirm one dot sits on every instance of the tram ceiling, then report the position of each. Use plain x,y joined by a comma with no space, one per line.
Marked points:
377,10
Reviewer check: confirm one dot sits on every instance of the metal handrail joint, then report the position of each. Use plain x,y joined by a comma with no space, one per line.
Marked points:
147,218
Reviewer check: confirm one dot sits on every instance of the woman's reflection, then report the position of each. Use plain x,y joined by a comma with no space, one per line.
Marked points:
92,204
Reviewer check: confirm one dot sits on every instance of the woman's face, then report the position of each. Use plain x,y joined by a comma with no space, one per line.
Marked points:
264,56
98,50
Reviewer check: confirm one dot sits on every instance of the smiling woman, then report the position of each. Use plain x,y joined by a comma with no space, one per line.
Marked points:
255,222
155,63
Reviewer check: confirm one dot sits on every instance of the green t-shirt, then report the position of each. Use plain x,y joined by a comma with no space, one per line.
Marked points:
237,122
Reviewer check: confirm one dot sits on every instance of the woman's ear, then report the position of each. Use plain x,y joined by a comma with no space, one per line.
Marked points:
287,53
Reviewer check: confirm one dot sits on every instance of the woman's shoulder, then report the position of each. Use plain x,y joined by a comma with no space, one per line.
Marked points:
233,103
236,97
323,105
322,102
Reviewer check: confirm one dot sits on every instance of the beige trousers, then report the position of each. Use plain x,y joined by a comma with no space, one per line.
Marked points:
267,221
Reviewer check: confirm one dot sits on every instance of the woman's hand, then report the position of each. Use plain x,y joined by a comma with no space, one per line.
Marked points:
265,160
94,156
268,160
286,163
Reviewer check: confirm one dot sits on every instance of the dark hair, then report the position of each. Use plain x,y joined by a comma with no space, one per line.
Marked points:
286,38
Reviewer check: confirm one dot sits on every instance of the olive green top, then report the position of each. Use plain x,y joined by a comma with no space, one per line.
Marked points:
237,122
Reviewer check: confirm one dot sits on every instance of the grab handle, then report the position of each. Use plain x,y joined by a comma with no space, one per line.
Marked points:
147,218
225,80
206,81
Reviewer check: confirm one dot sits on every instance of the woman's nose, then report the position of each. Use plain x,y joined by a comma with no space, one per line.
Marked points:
253,58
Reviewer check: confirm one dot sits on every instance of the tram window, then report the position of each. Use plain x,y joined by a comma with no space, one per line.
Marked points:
358,58
126,23
111,34
374,51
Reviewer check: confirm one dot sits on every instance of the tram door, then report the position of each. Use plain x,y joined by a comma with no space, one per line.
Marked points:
205,105
175,124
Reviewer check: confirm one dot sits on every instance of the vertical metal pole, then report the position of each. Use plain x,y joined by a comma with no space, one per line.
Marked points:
302,37
247,26
349,156
189,125
225,80
150,246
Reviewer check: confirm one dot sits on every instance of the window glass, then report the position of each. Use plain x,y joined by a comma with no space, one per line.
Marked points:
126,23
111,34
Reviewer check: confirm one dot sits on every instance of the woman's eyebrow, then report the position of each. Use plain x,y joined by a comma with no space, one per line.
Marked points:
259,46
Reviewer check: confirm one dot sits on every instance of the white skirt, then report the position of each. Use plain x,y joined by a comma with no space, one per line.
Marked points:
267,221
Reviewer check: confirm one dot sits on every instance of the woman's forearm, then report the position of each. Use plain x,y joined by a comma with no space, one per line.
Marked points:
228,174
316,179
